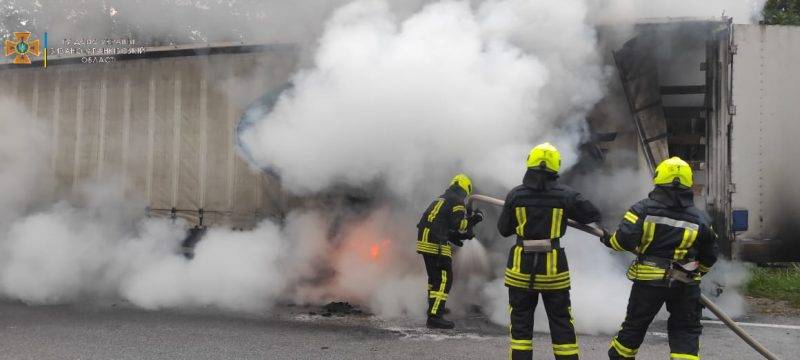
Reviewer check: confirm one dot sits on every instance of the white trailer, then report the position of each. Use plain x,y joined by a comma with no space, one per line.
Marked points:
162,123
727,98
765,140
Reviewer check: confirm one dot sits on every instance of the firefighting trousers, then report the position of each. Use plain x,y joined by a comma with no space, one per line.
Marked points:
440,280
559,314
683,326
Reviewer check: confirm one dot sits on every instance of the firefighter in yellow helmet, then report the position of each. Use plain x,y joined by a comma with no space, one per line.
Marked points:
537,212
446,220
674,245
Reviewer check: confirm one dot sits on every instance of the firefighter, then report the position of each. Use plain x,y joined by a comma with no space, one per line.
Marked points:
537,212
446,220
675,245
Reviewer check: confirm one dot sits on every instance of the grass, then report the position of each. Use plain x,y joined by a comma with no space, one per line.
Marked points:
776,284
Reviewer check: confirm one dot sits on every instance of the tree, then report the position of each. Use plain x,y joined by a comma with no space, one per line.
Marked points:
782,12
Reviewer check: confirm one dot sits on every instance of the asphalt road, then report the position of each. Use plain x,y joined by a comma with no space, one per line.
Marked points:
106,332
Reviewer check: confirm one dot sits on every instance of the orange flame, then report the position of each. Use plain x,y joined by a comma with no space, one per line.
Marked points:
375,250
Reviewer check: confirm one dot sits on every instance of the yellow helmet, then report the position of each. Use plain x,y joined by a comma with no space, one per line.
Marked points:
545,156
463,181
671,170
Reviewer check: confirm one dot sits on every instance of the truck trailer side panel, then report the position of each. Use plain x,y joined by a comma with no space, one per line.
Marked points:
765,140
161,126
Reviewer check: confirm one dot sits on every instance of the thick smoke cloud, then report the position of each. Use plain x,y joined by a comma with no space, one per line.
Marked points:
398,92
450,88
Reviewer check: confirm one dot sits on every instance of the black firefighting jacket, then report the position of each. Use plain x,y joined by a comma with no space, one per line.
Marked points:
537,210
662,229
444,220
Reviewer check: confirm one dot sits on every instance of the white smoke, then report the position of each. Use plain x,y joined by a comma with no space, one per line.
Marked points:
450,88
724,284
99,246
24,155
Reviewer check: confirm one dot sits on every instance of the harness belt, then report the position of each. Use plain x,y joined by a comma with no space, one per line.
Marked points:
682,271
654,261
539,245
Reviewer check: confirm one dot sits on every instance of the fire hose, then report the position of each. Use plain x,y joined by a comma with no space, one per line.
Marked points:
721,315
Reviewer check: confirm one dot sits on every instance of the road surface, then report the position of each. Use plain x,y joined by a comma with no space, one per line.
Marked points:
119,332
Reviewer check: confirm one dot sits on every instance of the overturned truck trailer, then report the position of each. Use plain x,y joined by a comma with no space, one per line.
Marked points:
162,124
725,97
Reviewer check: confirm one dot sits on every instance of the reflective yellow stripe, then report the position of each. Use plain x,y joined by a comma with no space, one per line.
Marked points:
560,220
565,349
517,262
554,286
522,218
704,269
435,210
647,268
517,275
555,223
689,236
433,249
684,356
510,281
551,278
551,266
462,226
647,236
631,217
438,301
459,208
539,278
437,295
639,271
521,344
615,243
622,350
516,283
426,232
644,277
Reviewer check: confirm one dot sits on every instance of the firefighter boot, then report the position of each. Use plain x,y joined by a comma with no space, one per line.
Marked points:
439,322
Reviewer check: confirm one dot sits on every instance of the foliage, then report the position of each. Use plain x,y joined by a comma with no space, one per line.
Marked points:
782,12
776,284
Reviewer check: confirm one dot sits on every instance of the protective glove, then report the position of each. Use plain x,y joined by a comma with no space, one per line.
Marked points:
476,217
